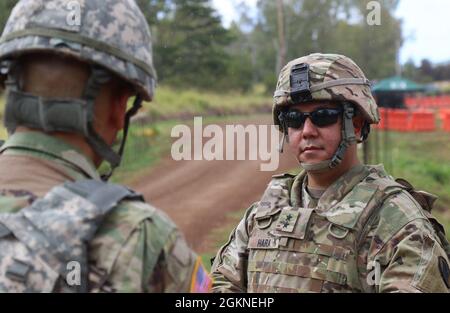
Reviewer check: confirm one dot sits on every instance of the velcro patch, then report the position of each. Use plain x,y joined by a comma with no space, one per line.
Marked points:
287,220
263,243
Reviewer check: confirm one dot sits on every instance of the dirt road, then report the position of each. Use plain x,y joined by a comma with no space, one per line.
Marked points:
198,194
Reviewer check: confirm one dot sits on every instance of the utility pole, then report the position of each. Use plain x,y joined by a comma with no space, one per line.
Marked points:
281,38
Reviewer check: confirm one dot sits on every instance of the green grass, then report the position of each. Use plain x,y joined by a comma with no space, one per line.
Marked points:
444,219
3,132
170,103
146,145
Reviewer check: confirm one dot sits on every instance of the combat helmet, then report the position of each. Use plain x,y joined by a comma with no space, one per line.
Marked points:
326,77
112,36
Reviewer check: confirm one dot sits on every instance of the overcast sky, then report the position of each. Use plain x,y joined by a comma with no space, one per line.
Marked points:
426,27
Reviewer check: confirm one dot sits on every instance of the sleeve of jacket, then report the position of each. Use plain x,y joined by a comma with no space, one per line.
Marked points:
179,269
147,253
407,251
229,270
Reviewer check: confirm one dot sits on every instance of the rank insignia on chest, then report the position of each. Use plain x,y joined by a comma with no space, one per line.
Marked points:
287,220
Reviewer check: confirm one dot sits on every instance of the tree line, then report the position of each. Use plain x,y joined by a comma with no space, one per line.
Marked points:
427,72
192,48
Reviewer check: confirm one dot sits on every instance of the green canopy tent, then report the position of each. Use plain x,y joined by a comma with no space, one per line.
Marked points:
390,92
397,84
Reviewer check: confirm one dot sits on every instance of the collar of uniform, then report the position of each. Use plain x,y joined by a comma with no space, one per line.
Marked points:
299,195
296,191
379,171
51,147
342,186
336,191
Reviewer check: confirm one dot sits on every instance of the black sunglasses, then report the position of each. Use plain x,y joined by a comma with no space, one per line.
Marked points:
320,118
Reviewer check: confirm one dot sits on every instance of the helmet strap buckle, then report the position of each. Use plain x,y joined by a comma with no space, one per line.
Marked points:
348,134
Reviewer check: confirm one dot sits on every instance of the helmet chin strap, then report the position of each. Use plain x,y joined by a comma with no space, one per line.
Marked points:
130,113
348,138
285,132
281,146
64,115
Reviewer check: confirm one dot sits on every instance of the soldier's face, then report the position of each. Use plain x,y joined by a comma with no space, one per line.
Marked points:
312,143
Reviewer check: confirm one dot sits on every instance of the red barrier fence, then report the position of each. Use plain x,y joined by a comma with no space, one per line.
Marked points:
398,120
422,121
443,112
446,121
383,119
412,121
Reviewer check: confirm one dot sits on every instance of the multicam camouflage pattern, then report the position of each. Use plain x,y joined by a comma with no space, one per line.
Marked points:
326,68
111,33
137,247
289,244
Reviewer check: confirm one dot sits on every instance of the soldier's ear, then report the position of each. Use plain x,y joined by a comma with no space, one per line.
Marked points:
119,101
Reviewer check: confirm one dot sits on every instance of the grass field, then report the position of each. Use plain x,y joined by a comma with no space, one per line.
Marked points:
170,103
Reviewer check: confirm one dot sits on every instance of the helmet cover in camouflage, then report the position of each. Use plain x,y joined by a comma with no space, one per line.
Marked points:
332,77
111,33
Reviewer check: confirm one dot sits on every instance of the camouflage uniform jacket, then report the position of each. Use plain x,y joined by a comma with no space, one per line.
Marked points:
291,243
136,249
